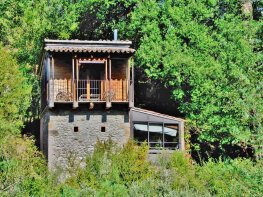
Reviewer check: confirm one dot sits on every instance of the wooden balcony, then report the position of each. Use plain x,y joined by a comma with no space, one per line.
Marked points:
84,91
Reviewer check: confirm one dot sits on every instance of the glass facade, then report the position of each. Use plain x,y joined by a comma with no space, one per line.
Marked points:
157,135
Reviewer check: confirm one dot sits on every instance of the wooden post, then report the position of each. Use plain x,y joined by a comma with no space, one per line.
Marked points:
107,90
48,79
77,81
110,76
51,82
131,86
128,79
73,81
106,70
181,136
75,102
88,89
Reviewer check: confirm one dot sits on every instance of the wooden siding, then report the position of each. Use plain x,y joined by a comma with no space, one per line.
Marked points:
92,84
119,68
63,67
62,78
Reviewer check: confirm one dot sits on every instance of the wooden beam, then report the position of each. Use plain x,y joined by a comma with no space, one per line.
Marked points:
107,89
106,70
181,136
131,82
110,75
128,78
48,78
73,92
51,82
75,102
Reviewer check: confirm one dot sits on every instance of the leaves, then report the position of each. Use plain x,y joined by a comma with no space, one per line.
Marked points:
14,94
207,52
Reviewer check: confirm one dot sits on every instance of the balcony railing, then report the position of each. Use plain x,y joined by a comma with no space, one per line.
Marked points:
89,90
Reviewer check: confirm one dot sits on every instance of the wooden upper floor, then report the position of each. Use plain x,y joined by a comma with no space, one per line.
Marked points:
78,71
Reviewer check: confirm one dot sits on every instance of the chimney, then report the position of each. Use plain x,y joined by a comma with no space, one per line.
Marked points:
115,34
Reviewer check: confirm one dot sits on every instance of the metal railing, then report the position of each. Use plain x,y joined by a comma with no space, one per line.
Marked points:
88,90
102,90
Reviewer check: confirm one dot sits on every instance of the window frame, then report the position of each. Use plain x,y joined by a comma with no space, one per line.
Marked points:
163,135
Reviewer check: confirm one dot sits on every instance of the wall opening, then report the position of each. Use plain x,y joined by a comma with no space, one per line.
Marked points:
103,129
76,129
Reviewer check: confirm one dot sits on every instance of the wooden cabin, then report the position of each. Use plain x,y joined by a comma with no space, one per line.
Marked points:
87,94
87,72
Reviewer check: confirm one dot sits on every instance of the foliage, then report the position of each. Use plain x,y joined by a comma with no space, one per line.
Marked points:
23,170
232,178
14,95
171,175
111,172
209,52
111,169
23,27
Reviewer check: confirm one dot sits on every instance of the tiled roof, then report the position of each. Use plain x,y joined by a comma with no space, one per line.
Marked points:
101,46
89,49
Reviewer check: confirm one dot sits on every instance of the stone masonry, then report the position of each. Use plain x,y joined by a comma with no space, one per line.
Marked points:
67,132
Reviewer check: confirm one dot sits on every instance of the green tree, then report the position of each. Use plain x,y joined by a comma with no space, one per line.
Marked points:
207,51
23,27
14,94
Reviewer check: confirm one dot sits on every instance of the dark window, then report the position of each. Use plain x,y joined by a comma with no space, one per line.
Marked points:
76,129
171,138
155,135
103,129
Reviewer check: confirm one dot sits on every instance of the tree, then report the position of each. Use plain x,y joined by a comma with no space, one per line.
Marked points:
14,95
207,52
23,27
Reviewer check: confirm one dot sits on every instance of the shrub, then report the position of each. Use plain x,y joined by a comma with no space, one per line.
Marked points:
233,178
23,170
181,172
115,171
14,95
160,187
112,169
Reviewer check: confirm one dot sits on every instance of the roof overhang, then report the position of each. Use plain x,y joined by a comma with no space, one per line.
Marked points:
90,46
143,115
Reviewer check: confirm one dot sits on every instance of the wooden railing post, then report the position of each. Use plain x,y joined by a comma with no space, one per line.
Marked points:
88,89
108,93
51,81
75,82
131,82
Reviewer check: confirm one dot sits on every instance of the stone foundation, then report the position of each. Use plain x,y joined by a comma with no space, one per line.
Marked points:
72,134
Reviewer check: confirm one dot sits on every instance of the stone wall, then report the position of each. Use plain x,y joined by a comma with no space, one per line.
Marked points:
72,134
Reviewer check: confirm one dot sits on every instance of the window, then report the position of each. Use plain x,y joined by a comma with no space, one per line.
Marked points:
157,135
76,129
103,129
171,137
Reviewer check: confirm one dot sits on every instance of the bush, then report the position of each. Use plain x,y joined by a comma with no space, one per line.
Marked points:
112,169
14,95
23,170
233,178
115,171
